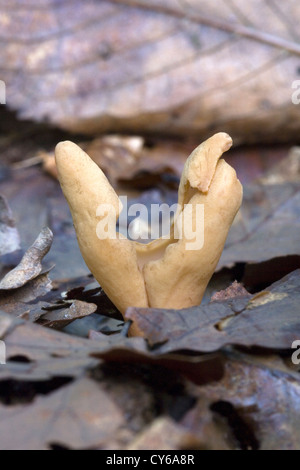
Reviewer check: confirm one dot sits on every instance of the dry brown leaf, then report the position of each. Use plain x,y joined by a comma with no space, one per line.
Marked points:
22,301
175,67
287,169
60,318
234,290
53,353
79,415
259,402
269,320
6,323
209,429
267,225
36,201
31,264
164,434
128,162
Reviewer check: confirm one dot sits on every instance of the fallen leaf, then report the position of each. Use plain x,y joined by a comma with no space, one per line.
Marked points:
78,415
260,403
125,75
116,155
234,290
9,236
164,434
116,348
35,353
37,200
23,301
286,170
145,392
31,264
60,318
211,430
39,343
53,353
130,163
7,322
273,322
267,225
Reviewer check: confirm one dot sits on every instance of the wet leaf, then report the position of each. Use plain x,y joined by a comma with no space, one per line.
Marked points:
9,236
269,320
31,264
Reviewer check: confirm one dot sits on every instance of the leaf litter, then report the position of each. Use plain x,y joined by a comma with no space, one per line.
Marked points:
269,319
218,376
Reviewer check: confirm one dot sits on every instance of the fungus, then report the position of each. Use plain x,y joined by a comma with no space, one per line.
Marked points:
170,272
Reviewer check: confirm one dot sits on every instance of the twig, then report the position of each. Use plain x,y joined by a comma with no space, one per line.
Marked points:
28,163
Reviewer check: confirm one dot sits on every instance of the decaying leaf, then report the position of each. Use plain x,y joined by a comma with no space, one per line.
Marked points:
9,236
31,264
269,320
53,353
113,67
261,404
80,415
